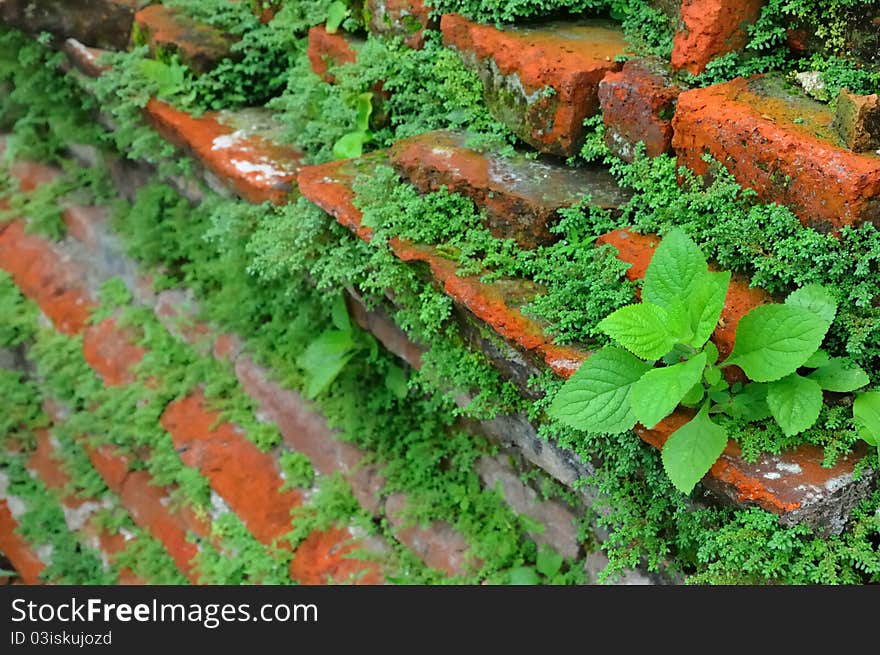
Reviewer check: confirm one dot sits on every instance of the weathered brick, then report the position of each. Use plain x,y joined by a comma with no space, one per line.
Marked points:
238,147
327,50
517,66
102,23
328,557
248,480
170,31
438,545
521,196
780,144
84,58
86,225
306,431
712,28
112,352
637,106
407,19
858,120
498,304
177,311
21,555
46,277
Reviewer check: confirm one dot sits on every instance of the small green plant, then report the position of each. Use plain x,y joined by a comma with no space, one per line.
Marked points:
666,360
866,412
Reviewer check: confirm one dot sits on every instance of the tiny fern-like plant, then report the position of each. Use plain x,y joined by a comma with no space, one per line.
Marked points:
663,358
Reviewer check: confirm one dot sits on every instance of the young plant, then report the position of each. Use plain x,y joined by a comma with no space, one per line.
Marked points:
866,412
663,359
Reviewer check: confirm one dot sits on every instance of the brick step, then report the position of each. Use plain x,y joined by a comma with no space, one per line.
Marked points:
407,19
518,64
521,196
328,50
803,490
780,143
170,31
238,150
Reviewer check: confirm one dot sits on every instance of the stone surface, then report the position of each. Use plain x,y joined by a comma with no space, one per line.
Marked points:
521,196
712,28
168,31
637,106
101,23
407,19
542,81
112,352
858,121
328,50
781,144
240,148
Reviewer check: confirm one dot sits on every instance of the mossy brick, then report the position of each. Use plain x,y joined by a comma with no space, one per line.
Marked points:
327,50
407,19
101,23
22,555
637,106
169,31
331,557
541,80
497,304
112,352
241,148
521,196
857,121
712,28
780,143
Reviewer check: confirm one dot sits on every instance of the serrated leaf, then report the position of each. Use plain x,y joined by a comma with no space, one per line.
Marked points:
642,329
691,450
711,351
712,376
815,298
660,390
676,269
817,359
772,341
693,397
866,412
596,397
750,403
835,376
795,403
549,562
706,304
524,575
336,13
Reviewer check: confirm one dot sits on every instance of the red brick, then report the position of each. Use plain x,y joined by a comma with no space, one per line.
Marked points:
111,464
167,30
516,65
326,557
521,196
306,431
328,50
112,352
237,147
712,28
47,278
19,553
248,480
85,58
637,106
407,19
227,346
782,146
86,224
329,187
438,545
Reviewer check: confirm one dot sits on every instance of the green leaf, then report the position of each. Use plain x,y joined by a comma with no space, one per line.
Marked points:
712,375
350,145
866,412
711,351
642,329
548,562
835,376
693,397
336,13
706,304
324,360
817,359
691,450
339,314
660,390
169,79
749,404
524,575
795,403
395,382
364,107
596,397
774,340
677,268
815,298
